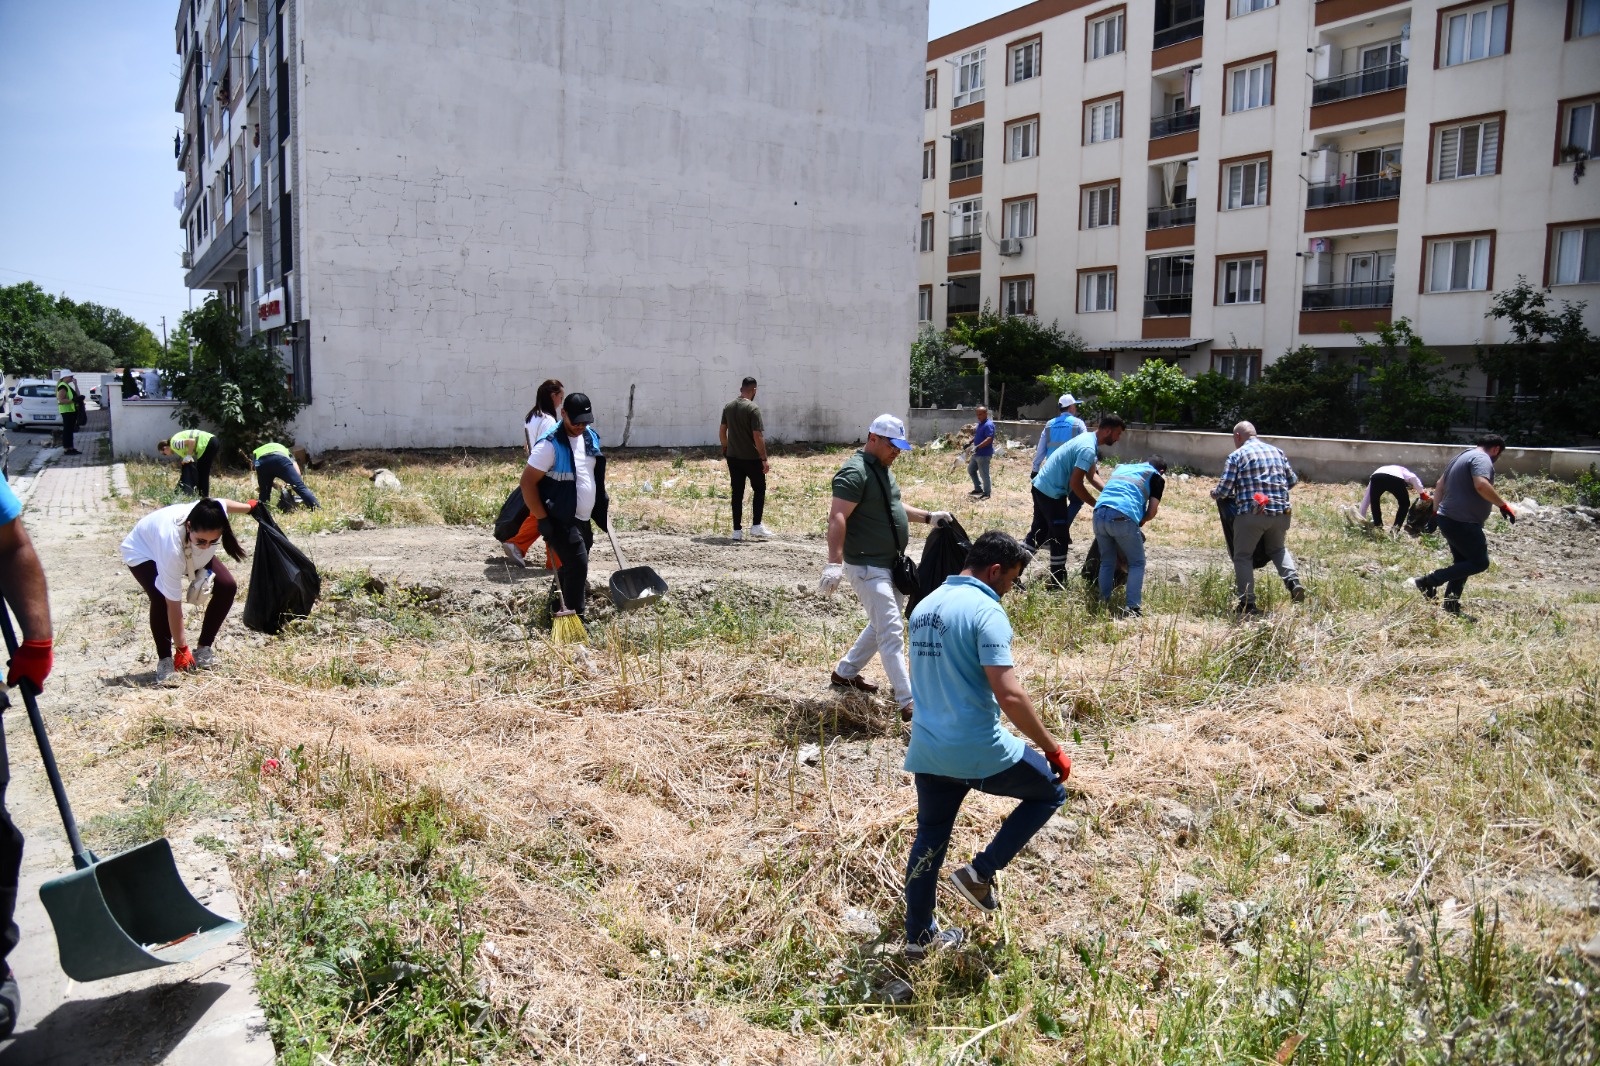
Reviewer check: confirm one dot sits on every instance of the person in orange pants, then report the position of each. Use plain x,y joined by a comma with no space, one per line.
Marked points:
541,419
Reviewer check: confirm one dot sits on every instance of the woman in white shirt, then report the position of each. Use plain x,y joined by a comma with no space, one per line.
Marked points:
171,550
541,420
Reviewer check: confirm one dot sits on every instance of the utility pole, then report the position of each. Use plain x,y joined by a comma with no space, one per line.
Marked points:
163,333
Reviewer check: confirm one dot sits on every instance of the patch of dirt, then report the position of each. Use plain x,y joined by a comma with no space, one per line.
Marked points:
1557,546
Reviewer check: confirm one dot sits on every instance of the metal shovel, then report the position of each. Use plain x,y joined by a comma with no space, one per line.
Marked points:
123,914
633,586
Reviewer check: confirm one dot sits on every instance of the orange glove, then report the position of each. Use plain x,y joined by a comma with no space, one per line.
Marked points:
184,660
1060,764
32,662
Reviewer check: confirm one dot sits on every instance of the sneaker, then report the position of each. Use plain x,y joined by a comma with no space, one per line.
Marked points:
1131,612
761,531
204,658
71,451
975,492
940,940
165,671
1452,606
1297,593
978,892
738,534
1247,610
514,553
11,1002
1427,590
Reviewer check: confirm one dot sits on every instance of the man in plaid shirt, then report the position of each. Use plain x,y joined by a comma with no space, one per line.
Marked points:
1257,479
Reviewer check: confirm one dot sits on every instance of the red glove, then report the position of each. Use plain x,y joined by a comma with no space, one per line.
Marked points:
32,662
1261,500
1511,516
251,504
184,660
1060,764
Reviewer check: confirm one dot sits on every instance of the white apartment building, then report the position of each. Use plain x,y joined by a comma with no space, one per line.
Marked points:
429,208
1221,181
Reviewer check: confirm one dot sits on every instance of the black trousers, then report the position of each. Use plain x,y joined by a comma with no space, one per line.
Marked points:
10,856
571,542
740,471
1380,485
69,426
196,476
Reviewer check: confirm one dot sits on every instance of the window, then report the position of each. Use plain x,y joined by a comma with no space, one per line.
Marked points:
1470,150
925,234
1102,121
930,90
1240,281
966,152
1016,296
1579,136
969,79
1097,291
1250,86
1474,34
255,171
1101,205
925,304
1020,217
1168,285
927,162
966,226
1238,365
1459,264
1575,255
1105,35
1245,7
1245,184
1025,60
1022,140
961,296
1585,18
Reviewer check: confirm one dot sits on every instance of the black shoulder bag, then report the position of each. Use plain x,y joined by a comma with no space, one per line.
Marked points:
904,571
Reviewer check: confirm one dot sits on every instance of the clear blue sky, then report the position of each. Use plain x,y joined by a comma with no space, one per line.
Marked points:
86,124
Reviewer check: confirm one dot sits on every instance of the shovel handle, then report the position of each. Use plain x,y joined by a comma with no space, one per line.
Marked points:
622,564
82,858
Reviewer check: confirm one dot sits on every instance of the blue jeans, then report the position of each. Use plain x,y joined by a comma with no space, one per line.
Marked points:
275,466
1469,554
1114,532
1030,780
979,464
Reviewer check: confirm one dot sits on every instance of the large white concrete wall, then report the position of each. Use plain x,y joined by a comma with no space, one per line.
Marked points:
665,196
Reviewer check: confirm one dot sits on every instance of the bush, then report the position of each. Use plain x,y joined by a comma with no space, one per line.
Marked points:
1218,401
1410,395
1304,394
1158,391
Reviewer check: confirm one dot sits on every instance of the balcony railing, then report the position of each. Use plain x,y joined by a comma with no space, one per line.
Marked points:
972,242
1175,123
1165,306
1180,32
1168,217
1360,190
1347,295
1360,83
962,171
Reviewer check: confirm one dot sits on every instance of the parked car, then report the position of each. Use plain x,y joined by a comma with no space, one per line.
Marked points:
34,406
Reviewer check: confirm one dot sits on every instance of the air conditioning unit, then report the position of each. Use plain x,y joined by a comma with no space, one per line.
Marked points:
1011,246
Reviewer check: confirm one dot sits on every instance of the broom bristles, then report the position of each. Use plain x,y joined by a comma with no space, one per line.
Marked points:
567,628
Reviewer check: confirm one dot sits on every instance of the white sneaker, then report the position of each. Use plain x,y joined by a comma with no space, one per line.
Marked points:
204,657
759,530
738,534
514,553
165,670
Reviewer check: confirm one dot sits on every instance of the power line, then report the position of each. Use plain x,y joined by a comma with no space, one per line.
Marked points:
86,285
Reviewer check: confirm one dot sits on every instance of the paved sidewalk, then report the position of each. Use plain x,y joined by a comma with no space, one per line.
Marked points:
202,1013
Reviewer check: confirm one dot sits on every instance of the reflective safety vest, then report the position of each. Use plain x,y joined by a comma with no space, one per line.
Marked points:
190,443
270,448
70,404
1127,490
1060,429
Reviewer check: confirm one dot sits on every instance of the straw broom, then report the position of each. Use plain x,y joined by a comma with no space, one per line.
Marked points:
566,627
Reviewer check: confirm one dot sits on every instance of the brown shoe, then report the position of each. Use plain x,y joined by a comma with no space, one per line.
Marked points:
905,712
858,682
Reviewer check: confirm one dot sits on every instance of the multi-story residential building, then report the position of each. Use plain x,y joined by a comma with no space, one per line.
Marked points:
1221,181
430,207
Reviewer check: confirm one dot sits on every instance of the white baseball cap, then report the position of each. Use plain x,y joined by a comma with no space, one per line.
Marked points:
891,427
1067,400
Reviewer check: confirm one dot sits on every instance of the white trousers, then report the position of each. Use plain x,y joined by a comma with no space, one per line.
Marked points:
885,634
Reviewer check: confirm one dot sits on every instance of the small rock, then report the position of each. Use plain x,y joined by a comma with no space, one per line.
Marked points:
1311,803
1528,504
1068,832
383,478
1183,477
355,521
514,633
897,990
858,922
1592,947
809,754
1177,821
374,585
1186,889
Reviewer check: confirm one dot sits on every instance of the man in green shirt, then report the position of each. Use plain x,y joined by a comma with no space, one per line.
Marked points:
274,462
744,445
193,447
867,533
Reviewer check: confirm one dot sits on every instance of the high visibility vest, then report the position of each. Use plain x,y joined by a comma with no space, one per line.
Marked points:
190,443
70,404
270,448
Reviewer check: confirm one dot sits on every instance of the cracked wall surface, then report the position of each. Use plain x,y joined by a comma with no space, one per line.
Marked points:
667,196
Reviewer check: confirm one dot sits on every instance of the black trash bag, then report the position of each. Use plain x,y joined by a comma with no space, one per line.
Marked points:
944,553
284,584
1259,557
1091,565
513,513
1419,519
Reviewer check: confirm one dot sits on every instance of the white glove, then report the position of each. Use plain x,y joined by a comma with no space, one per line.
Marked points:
941,518
832,574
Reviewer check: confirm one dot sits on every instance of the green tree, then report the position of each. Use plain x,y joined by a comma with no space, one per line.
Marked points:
1304,394
237,387
1019,351
1410,395
937,377
1095,390
67,346
1158,390
1548,373
1218,401
130,341
24,350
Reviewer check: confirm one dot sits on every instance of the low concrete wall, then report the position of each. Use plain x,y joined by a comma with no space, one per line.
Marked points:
136,425
931,423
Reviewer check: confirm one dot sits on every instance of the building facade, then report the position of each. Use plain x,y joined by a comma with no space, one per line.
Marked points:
429,208
1219,182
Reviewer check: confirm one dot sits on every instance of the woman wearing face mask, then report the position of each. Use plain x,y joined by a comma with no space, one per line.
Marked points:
541,420
173,550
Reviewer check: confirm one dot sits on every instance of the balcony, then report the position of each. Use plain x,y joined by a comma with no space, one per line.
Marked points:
1170,217
1360,83
1360,190
1175,304
1185,121
1347,295
1179,32
966,245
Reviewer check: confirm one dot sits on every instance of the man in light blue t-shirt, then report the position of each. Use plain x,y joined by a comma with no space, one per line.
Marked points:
962,678
1062,488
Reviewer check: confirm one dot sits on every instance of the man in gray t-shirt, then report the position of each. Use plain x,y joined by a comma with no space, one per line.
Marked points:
1466,495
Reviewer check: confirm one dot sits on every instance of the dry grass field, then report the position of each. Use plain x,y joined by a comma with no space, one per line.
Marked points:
1359,831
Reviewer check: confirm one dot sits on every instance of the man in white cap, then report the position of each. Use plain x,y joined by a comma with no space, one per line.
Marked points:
1060,429
867,534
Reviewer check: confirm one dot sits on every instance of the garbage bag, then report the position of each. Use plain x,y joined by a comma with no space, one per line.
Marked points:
284,584
513,513
944,553
1090,571
1258,558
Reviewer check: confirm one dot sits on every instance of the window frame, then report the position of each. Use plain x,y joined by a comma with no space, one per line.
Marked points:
976,93
1089,107
924,293
1085,190
1441,32
1253,355
1223,261
1428,242
1235,13
930,161
1563,109
1243,65
1438,129
958,211
1033,216
1574,9
1017,124
1120,12
1552,232
962,129
1083,275
1035,42
930,90
925,233
1242,161
1008,280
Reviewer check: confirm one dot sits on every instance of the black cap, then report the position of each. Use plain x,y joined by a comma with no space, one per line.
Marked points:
578,409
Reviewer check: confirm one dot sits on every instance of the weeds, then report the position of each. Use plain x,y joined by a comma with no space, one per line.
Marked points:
155,805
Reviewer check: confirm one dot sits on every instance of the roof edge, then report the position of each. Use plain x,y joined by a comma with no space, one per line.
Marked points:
1004,23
